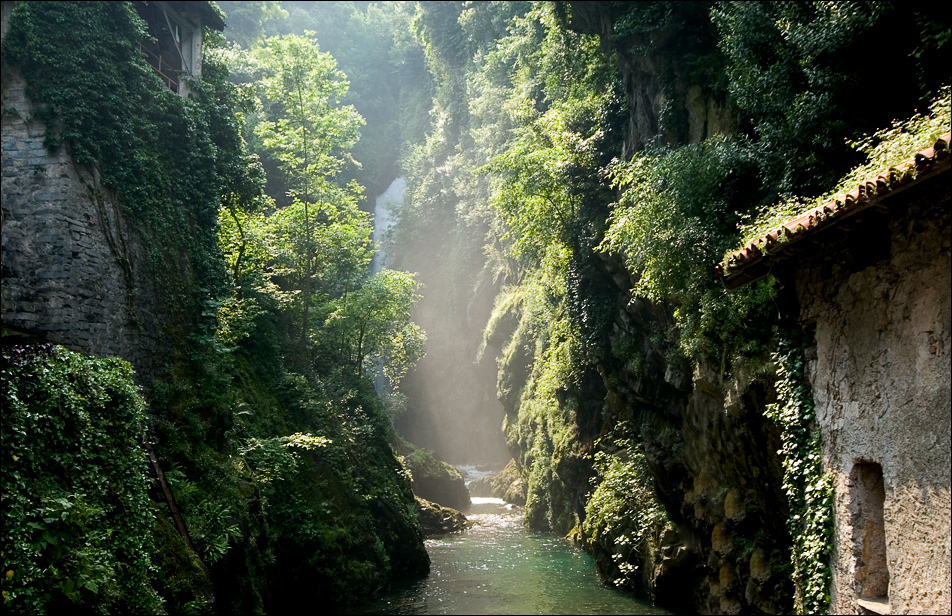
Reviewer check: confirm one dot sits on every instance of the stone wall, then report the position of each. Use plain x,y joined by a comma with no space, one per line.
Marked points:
73,265
879,299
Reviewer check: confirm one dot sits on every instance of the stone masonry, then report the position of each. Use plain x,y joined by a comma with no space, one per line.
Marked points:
73,265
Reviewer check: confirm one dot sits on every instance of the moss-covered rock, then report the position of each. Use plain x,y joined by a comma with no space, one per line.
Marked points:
482,487
433,479
439,520
182,579
509,485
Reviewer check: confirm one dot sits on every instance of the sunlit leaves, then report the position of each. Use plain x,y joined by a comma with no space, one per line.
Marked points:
531,176
327,243
303,123
373,322
270,458
676,217
623,514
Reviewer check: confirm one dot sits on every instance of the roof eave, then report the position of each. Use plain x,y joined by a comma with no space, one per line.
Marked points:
758,258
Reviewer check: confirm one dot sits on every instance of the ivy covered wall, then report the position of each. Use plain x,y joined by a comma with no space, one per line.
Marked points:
76,514
271,476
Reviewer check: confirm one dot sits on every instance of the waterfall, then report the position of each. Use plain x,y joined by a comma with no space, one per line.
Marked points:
384,218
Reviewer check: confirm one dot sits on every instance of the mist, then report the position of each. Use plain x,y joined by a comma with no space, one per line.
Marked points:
451,402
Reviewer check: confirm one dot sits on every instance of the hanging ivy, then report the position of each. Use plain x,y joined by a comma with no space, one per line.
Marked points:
809,489
167,158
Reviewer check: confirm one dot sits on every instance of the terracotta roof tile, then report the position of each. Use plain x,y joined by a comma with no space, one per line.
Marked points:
753,261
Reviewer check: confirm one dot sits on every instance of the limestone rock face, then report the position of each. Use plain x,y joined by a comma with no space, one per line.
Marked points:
712,455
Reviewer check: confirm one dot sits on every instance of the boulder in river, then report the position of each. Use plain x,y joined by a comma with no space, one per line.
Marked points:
482,486
509,485
439,520
433,479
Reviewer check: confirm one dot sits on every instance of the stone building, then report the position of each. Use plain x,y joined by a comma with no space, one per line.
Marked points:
871,274
73,266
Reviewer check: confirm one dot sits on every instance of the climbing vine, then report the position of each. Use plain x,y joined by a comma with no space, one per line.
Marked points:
623,515
169,159
77,524
809,489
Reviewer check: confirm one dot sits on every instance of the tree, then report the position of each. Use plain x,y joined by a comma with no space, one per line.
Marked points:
373,322
309,256
322,234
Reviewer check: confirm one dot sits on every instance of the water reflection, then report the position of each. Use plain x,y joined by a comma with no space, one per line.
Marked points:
499,567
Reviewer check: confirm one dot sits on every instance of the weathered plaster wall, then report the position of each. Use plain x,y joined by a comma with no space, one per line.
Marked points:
880,371
73,266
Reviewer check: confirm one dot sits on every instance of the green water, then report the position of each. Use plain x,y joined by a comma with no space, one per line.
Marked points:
499,567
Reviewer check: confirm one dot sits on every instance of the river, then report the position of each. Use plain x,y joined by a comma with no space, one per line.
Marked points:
500,567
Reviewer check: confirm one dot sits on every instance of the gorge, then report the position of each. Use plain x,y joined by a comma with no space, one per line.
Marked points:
668,264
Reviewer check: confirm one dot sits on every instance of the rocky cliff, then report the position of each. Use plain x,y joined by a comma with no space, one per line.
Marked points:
710,450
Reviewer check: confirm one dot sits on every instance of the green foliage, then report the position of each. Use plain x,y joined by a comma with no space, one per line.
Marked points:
883,149
269,458
77,521
286,481
809,490
521,110
332,502
302,123
344,522
320,249
309,257
544,108
677,216
544,431
374,322
373,44
623,513
793,68
550,89
318,240
680,41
